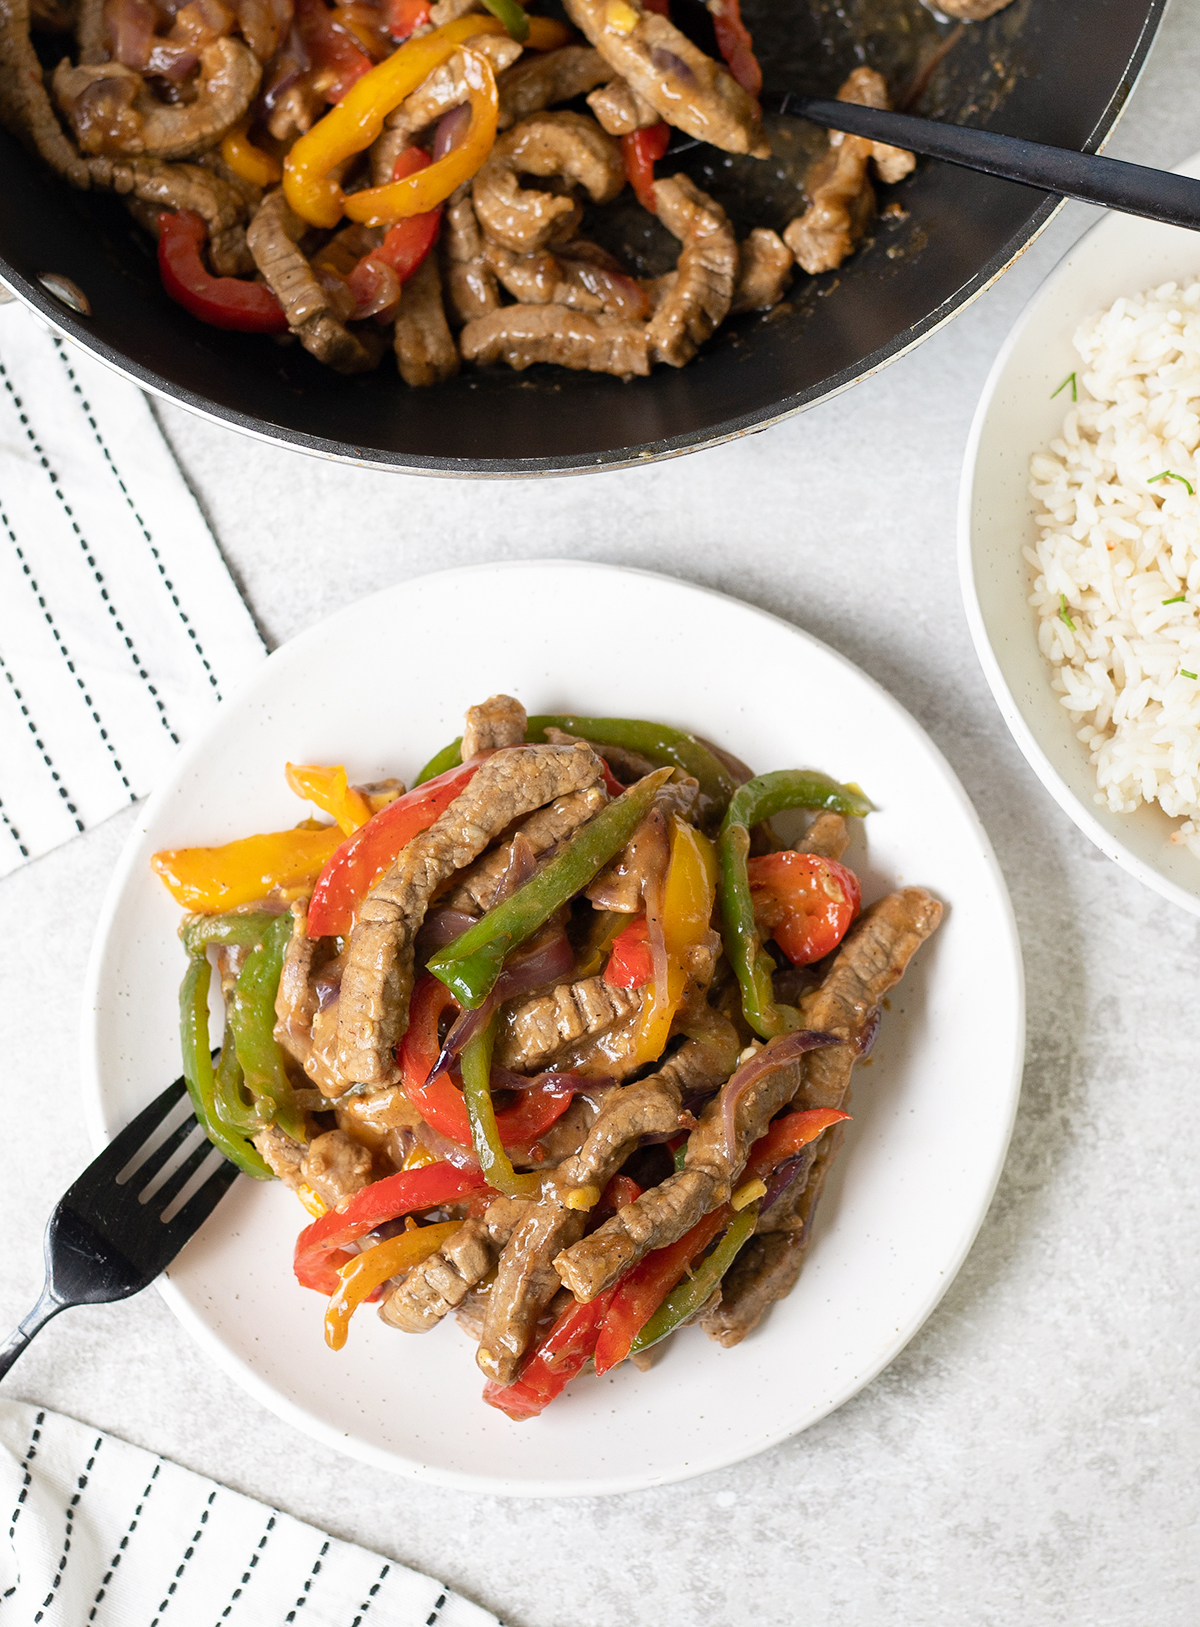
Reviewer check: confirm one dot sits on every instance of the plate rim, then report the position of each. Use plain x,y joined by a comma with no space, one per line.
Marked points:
1010,709
361,1450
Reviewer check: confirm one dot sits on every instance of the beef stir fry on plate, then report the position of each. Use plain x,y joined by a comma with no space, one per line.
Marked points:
558,1040
413,176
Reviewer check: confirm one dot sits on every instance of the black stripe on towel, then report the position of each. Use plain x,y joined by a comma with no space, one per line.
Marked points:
123,1544
80,1486
108,458
26,1482
433,1615
367,1602
312,1576
91,558
246,1574
41,745
187,1554
63,651
13,831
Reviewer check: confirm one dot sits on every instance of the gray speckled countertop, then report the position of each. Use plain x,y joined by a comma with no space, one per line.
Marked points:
1031,1456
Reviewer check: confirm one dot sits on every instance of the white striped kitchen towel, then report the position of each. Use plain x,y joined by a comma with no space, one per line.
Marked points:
120,626
104,1534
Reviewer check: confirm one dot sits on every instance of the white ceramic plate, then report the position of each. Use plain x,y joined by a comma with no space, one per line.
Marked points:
1016,416
380,687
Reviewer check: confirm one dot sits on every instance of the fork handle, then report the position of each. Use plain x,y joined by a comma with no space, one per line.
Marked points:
41,1313
1130,188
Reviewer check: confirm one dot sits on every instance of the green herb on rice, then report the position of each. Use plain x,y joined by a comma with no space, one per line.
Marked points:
1169,474
1070,379
1180,598
1184,673
1063,615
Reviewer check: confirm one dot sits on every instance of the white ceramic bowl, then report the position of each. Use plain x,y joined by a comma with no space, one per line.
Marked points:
1016,416
380,687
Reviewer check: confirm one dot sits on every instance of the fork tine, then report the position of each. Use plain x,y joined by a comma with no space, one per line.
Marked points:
145,1172
120,1150
201,1203
178,1178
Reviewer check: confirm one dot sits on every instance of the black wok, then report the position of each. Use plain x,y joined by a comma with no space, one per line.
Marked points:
1056,71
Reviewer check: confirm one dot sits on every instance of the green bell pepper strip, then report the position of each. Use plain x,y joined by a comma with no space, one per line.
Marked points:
757,800
471,964
198,1072
476,1064
514,17
251,1016
685,1300
248,928
658,742
230,1101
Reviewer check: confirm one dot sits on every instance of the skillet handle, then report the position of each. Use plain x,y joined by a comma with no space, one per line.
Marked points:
1129,188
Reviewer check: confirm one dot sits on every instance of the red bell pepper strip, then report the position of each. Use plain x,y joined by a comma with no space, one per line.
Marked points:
803,901
321,1247
735,44
641,150
404,17
786,1136
641,1291
407,242
441,1103
662,7
222,302
332,49
630,965
358,863
561,1355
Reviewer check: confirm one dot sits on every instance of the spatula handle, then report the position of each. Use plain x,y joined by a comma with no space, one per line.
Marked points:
1129,188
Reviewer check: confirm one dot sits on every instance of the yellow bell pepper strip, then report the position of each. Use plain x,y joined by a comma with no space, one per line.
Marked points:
753,802
476,1065
689,893
198,1072
357,120
247,160
471,964
421,192
370,1269
329,789
210,879
251,1015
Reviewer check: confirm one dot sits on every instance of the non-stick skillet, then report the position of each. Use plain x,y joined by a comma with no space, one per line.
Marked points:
1055,71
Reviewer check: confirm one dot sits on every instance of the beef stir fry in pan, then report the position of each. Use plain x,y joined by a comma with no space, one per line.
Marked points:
397,174
559,1040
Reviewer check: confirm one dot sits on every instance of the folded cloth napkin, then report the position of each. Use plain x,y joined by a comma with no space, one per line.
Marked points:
104,1534
120,626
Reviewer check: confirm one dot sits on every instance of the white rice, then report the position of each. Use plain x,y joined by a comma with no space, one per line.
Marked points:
1116,542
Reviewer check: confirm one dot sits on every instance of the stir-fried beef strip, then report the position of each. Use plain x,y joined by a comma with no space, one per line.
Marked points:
274,236
425,348
521,335
663,67
764,271
870,962
699,300
827,836
526,1280
578,275
620,110
333,1164
539,1028
439,1284
566,145
25,108
626,765
498,721
475,890
112,111
541,80
843,200
377,983
469,282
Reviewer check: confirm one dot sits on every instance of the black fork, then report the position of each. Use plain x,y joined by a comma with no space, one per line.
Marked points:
129,1213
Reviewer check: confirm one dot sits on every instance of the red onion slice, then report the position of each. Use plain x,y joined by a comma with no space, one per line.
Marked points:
776,1053
671,65
452,127
441,927
574,1084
